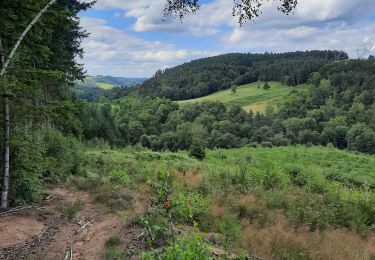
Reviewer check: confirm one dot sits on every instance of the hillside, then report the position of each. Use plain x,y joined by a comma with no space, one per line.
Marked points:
108,82
202,77
93,87
250,96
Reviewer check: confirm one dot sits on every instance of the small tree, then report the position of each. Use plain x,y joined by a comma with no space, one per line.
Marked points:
234,90
266,86
197,151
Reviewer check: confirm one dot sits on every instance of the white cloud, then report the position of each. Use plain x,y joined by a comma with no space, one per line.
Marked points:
112,51
315,24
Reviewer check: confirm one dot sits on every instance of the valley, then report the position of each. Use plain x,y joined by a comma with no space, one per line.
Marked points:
228,143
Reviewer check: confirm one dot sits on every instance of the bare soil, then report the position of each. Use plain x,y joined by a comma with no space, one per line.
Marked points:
46,233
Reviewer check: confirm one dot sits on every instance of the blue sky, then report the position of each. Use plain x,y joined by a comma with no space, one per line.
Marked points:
131,38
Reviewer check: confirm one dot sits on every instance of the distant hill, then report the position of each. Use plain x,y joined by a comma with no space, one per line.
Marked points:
93,87
205,76
108,82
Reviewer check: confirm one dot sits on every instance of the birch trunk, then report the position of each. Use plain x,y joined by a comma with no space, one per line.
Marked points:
5,187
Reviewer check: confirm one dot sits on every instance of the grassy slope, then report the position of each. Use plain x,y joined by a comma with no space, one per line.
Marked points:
105,86
249,96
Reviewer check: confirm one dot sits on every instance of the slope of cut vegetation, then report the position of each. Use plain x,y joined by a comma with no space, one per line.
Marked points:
240,202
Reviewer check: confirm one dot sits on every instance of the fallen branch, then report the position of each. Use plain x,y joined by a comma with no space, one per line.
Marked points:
140,235
69,254
45,230
16,209
82,227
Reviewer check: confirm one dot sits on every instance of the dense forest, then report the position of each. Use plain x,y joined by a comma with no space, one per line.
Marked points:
39,83
205,76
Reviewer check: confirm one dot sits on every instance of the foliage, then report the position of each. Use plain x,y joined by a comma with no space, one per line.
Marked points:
231,229
334,111
190,208
318,187
39,156
27,166
72,208
197,151
266,86
205,76
40,79
191,246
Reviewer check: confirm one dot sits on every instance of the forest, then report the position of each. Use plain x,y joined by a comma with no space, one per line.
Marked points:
146,172
336,109
205,76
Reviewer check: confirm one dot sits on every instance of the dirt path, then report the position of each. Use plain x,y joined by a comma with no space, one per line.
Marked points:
45,233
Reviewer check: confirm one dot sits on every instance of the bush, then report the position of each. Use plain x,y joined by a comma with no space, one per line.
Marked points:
197,151
62,155
267,144
72,208
231,229
121,177
146,141
189,247
112,249
190,208
266,86
26,169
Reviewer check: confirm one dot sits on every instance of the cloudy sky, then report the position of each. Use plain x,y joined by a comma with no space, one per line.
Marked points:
131,38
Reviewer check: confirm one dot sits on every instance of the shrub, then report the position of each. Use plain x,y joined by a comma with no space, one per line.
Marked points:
189,247
72,208
112,249
62,156
266,86
116,198
146,141
267,144
288,249
197,151
231,229
121,177
26,166
190,208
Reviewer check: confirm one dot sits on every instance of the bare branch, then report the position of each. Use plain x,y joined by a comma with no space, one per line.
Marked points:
180,8
243,9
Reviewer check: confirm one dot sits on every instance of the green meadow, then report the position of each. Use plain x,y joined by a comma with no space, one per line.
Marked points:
250,96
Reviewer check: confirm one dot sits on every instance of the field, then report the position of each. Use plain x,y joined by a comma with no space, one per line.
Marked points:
104,86
250,97
272,203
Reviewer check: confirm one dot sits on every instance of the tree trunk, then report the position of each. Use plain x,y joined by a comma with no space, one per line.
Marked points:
5,187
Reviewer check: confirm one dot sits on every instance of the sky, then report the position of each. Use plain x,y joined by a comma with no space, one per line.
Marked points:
131,38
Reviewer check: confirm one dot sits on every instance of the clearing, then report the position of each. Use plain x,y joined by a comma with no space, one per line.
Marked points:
250,96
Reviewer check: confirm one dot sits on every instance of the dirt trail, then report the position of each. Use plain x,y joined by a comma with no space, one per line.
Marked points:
45,233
